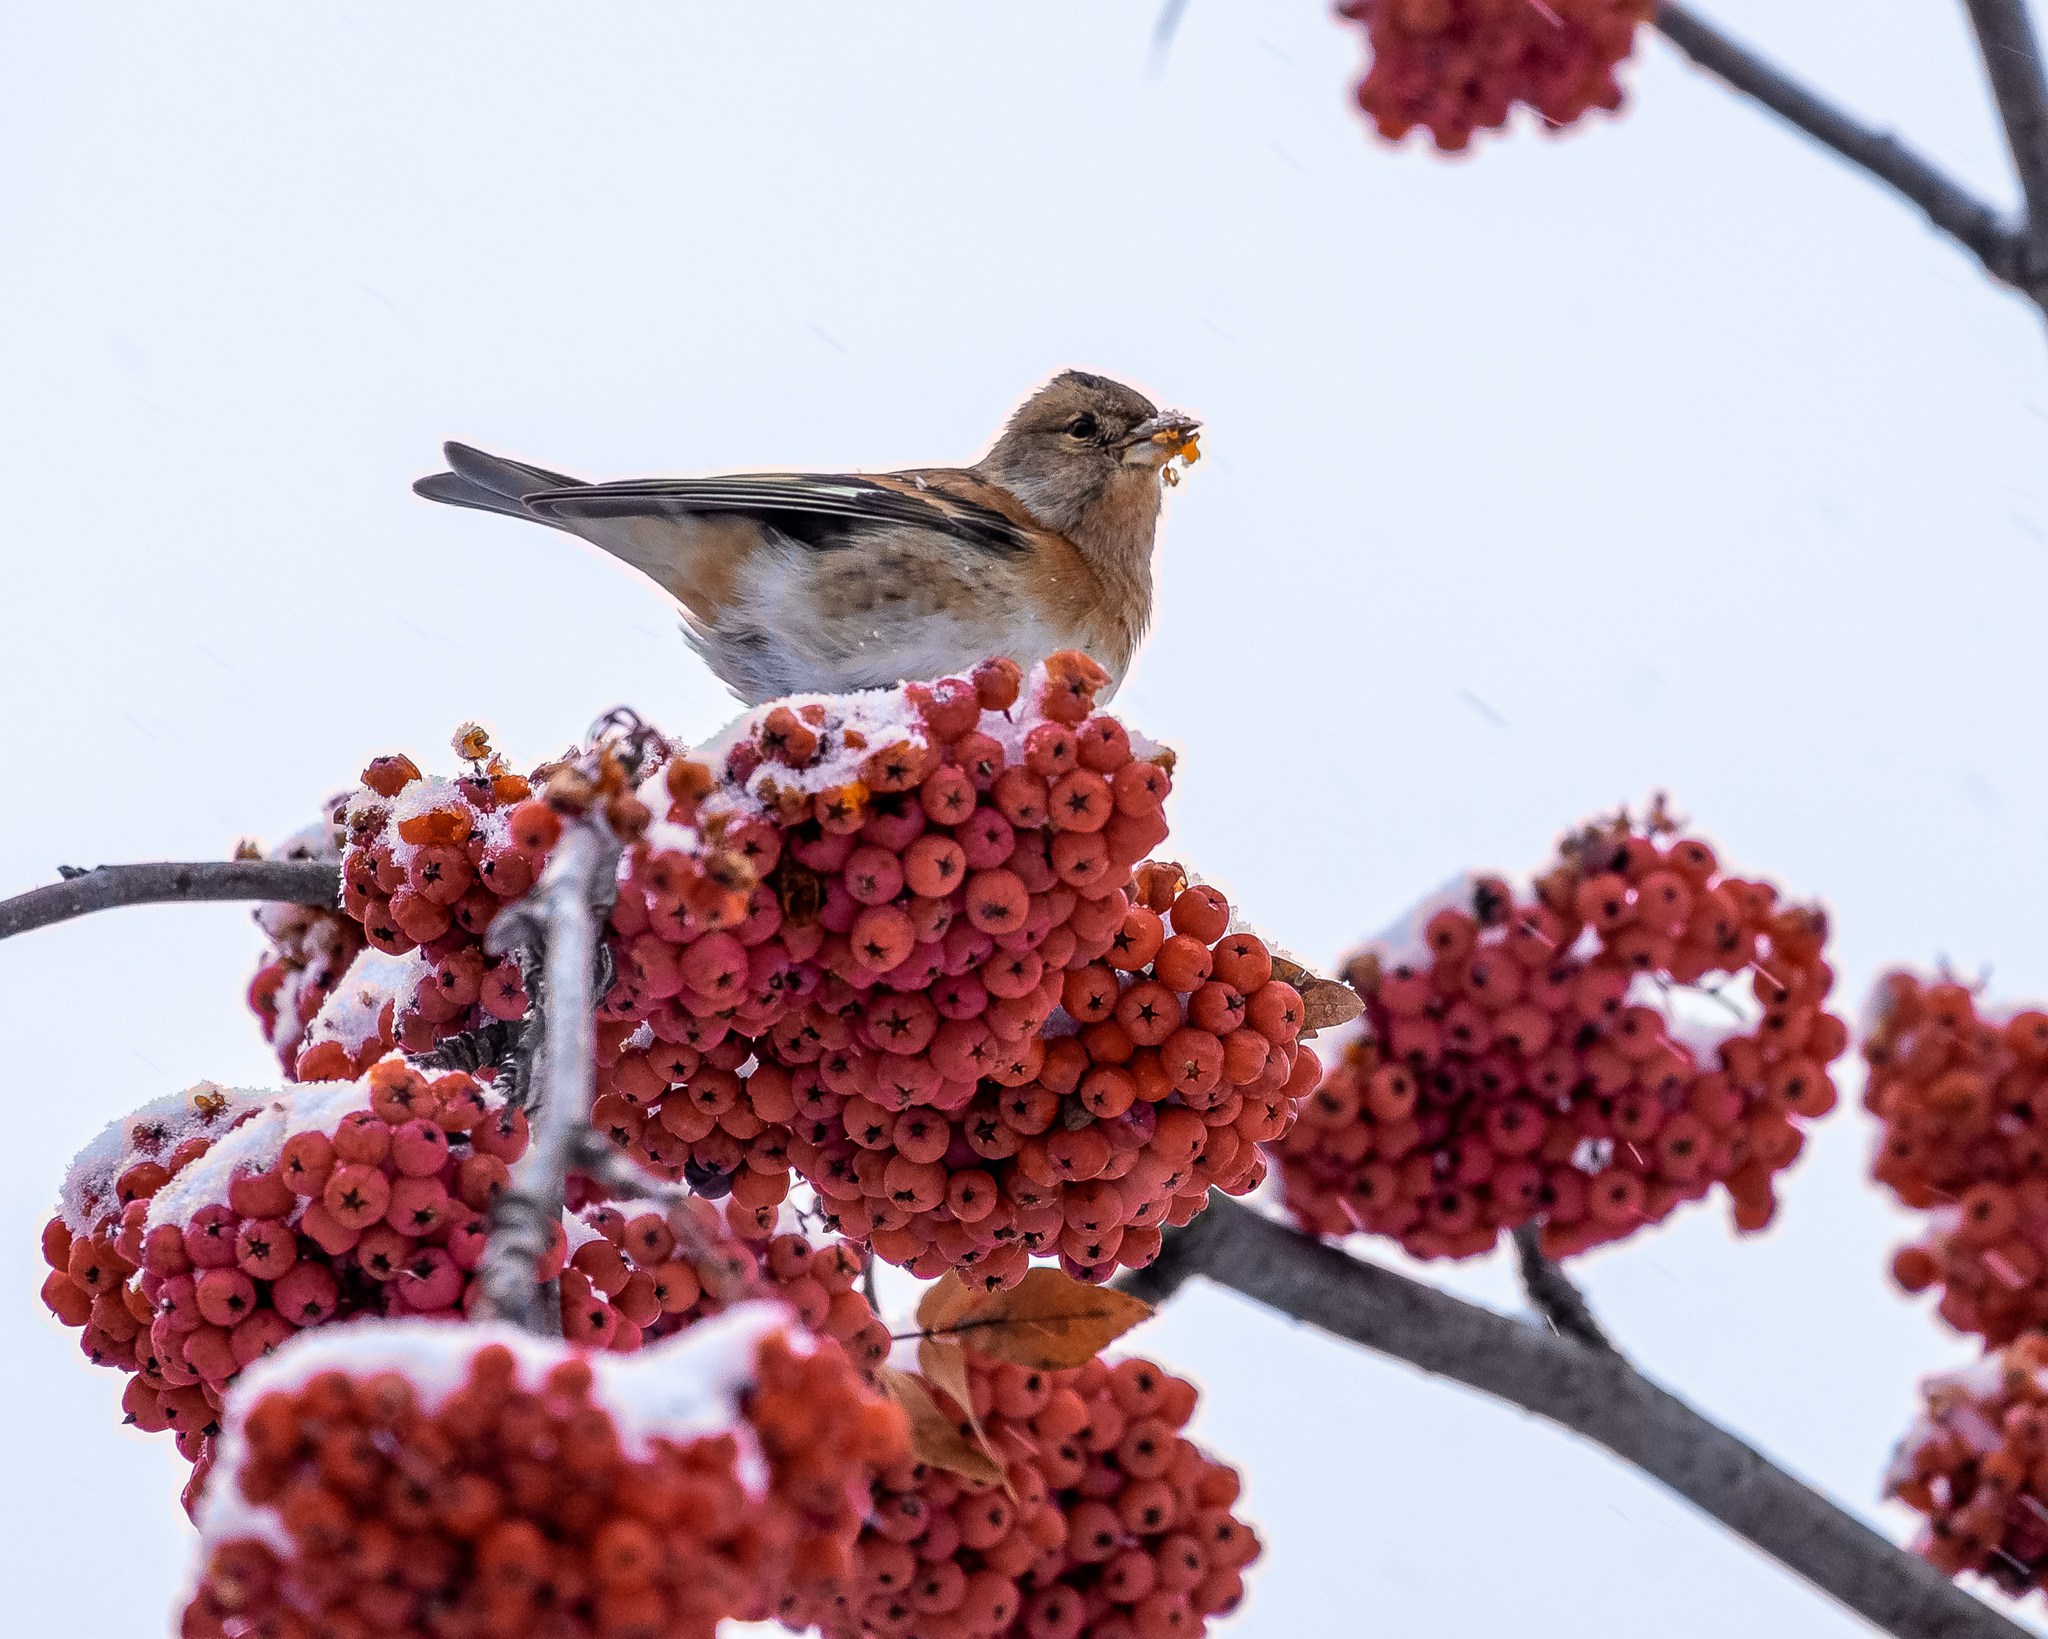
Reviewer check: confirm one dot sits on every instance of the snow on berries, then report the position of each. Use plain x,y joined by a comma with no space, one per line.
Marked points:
1458,66
1974,1464
1556,1055
311,947
199,1234
1961,1092
413,1480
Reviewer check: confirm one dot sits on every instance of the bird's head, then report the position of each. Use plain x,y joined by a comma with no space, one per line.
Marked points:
1086,455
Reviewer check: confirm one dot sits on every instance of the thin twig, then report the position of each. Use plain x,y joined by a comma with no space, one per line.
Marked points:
106,887
1968,220
1595,1393
1553,1294
2012,62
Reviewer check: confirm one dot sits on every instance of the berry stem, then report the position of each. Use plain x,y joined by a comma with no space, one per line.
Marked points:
2004,252
1553,1294
1595,1393
107,887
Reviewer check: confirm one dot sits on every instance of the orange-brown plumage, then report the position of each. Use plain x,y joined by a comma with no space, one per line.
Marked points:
790,582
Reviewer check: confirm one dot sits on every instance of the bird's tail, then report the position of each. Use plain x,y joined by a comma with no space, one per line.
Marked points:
489,483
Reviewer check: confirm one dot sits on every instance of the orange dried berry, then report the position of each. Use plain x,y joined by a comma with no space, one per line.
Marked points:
387,776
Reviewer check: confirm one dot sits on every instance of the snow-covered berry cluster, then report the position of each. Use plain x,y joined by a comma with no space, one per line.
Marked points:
903,945
1976,1466
476,1483
1962,1095
311,947
1454,67
1547,1056
197,1235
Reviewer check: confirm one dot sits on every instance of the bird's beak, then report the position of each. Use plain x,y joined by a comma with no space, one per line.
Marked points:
1157,440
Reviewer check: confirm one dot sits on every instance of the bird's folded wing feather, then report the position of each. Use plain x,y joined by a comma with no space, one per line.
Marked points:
818,509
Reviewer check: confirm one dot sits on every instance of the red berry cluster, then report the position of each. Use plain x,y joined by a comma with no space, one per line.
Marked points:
297,1209
1963,1099
1104,1523
970,1025
429,862
322,1204
1458,66
311,947
1185,1060
634,1281
1524,1058
538,1493
1976,1465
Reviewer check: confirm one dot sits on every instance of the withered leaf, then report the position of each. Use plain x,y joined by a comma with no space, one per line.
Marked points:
1048,1321
934,1437
944,1364
1325,1003
949,1298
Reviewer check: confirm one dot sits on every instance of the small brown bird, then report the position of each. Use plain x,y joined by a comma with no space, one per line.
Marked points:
796,582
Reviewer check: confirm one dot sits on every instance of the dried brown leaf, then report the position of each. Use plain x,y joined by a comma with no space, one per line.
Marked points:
1325,1004
944,1364
1048,1321
934,1437
949,1298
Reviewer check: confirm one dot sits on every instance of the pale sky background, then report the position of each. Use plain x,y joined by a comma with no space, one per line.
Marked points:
1668,454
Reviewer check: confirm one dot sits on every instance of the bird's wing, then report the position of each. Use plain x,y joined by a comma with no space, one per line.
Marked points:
819,510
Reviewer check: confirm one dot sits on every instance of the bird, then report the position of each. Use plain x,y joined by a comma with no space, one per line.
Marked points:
827,583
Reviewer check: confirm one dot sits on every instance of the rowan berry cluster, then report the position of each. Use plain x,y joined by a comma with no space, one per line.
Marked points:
1976,1466
486,1486
311,947
1525,1057
919,965
429,863
1458,66
1100,1520
635,1280
1963,1099
188,1259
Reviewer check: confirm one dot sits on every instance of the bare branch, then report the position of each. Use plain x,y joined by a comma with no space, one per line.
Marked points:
1968,220
559,916
2012,62
1594,1393
1554,1296
276,881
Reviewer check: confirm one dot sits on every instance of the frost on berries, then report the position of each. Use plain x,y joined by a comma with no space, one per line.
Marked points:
1634,1030
1961,1093
1454,67
200,1234
1973,1465
475,1483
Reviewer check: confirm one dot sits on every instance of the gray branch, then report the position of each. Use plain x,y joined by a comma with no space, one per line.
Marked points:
1984,232
1594,1393
2012,63
275,881
558,916
1554,1296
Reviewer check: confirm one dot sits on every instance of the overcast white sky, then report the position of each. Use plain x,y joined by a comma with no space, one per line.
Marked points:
1668,454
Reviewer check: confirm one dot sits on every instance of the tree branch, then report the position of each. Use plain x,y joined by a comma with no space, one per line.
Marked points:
1554,1296
276,881
1594,1393
559,916
1968,220
2012,62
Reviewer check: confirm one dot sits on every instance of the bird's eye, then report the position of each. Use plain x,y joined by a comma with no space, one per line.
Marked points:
1082,426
